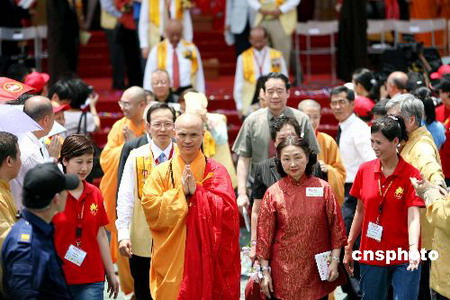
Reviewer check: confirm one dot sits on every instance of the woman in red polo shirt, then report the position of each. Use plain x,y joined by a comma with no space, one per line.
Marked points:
80,237
387,217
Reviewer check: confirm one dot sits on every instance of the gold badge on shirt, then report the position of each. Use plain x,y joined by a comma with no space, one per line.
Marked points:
94,209
398,193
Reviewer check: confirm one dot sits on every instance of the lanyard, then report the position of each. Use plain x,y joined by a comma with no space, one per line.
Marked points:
79,228
382,196
157,162
261,63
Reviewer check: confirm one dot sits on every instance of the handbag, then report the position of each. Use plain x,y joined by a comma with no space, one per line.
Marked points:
97,171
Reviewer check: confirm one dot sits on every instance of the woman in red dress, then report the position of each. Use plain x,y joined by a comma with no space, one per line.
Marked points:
299,218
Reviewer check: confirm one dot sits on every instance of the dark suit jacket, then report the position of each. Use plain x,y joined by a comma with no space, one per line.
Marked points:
133,144
266,174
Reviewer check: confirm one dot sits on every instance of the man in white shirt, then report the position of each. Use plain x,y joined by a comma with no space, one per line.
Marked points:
354,144
134,236
180,58
40,109
279,18
153,20
257,61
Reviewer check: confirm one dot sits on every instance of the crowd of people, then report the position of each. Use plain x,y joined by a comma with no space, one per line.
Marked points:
365,210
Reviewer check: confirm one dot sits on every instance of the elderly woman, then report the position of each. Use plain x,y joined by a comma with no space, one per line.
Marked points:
299,218
387,217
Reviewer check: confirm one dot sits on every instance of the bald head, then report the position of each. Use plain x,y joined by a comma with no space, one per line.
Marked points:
40,109
396,83
312,109
308,103
189,135
174,31
133,103
258,38
190,120
37,107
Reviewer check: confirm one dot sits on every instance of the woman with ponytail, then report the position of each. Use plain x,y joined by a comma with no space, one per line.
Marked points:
367,89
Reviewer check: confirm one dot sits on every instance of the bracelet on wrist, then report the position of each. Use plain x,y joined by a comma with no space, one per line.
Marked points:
253,243
268,269
336,258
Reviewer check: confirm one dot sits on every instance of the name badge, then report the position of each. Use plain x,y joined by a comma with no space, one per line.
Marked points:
314,192
75,255
374,231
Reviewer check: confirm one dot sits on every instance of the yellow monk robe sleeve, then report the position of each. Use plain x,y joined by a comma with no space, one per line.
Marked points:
332,157
164,205
113,147
6,220
427,163
438,209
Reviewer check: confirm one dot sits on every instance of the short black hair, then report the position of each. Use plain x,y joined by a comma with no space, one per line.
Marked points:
158,106
380,107
391,127
8,146
343,89
279,124
73,89
299,142
276,75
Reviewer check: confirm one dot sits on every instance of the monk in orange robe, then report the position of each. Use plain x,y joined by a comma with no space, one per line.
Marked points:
191,210
132,103
329,157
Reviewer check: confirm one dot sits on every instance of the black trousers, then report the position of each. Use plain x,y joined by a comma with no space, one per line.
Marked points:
129,41
117,60
351,287
241,42
140,270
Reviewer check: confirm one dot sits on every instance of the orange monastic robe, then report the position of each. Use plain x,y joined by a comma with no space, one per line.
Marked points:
165,208
209,267
109,161
329,153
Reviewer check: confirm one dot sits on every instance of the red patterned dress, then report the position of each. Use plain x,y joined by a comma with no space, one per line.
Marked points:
294,226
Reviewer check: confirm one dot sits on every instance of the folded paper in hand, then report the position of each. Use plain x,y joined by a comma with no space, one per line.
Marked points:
322,264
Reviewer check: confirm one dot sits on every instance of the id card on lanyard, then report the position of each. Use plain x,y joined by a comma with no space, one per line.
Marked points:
375,230
75,254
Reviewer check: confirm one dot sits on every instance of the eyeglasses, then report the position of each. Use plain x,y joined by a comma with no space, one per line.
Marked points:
340,102
158,126
160,82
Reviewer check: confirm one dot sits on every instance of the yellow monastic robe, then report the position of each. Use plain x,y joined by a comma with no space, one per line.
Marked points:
109,161
165,208
420,151
329,153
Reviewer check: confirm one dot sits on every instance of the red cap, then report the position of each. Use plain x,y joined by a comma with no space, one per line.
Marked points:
37,80
444,69
64,107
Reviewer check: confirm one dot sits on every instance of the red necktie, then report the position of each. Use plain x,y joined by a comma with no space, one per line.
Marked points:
175,70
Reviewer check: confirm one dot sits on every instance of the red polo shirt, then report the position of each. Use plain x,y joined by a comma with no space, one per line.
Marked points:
394,216
94,216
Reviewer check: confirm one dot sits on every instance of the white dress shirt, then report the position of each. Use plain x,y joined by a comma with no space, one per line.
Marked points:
144,21
354,145
31,155
185,66
284,8
261,58
128,189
